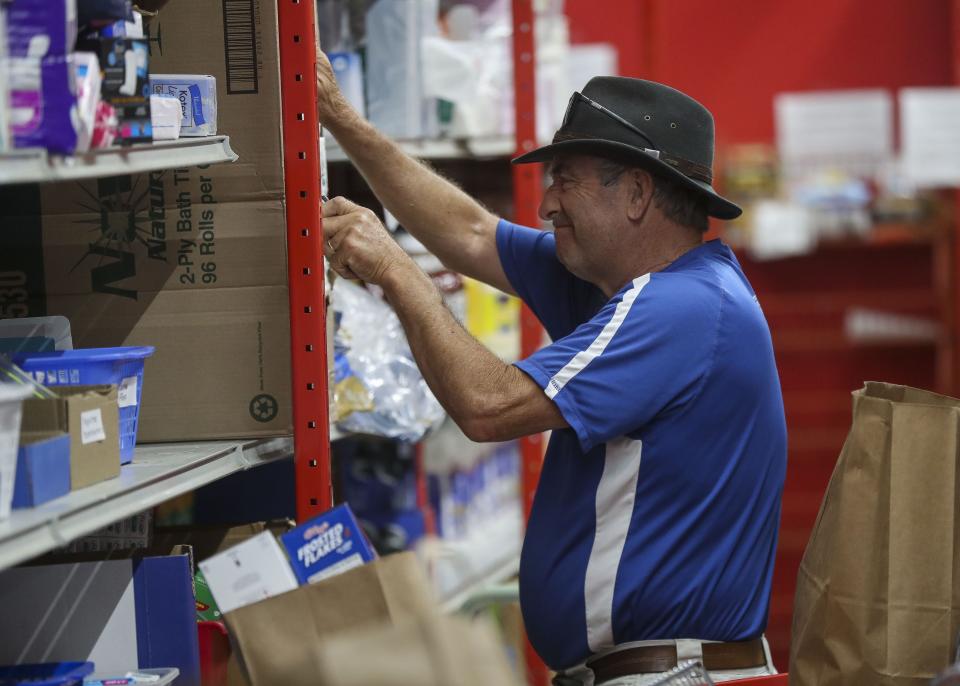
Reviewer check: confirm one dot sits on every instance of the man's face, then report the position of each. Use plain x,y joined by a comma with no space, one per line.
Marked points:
585,207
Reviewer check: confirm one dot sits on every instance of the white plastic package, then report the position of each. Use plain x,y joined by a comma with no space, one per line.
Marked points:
166,117
372,351
197,94
86,66
396,103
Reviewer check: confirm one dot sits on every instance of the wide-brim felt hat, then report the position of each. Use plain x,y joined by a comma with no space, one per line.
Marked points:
654,126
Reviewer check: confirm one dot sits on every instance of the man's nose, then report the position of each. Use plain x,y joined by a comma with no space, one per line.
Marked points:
548,206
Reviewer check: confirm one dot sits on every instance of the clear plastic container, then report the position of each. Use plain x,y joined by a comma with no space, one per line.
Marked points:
11,410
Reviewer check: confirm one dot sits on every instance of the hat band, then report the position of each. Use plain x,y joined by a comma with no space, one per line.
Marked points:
688,168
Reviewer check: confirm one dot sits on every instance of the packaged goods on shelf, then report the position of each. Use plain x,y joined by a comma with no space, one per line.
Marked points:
125,64
6,132
249,572
327,545
120,614
191,261
99,12
40,70
89,415
396,104
43,468
11,409
166,116
197,95
378,389
121,367
89,83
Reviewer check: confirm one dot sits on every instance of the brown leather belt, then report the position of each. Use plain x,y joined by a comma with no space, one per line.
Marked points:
653,659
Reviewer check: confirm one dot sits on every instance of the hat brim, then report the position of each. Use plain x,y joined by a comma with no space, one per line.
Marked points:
717,205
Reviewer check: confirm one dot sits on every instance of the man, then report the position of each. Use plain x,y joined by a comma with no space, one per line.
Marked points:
653,530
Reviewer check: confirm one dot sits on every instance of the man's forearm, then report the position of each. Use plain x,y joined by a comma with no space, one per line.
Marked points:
482,394
444,218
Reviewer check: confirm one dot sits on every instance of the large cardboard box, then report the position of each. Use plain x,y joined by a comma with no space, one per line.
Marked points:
190,260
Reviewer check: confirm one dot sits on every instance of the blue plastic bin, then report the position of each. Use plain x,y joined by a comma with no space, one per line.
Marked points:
122,367
51,674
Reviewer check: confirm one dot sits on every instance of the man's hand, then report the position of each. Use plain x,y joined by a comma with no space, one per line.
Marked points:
332,106
357,244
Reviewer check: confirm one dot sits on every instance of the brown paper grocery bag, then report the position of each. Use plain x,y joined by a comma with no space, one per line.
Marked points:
434,651
277,640
878,591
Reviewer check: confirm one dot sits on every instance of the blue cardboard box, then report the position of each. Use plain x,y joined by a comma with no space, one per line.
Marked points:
327,545
43,470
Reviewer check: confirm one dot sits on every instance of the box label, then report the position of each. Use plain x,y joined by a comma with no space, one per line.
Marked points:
127,392
91,427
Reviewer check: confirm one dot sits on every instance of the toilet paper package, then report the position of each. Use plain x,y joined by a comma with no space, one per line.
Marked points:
88,81
197,94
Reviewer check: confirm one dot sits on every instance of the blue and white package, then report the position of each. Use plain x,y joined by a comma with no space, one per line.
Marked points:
43,101
327,545
198,100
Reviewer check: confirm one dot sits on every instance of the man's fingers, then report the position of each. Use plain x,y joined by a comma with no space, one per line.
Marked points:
338,206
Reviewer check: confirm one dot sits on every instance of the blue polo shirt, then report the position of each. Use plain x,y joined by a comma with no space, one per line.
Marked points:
657,512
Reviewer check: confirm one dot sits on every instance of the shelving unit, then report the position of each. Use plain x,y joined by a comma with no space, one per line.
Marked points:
36,166
158,473
443,148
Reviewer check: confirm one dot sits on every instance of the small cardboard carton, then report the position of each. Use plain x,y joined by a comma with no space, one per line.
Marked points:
279,639
89,414
327,545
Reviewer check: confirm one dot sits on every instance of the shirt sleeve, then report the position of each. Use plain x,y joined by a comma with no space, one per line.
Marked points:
646,352
560,300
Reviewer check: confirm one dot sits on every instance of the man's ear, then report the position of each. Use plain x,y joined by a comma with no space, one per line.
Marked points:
641,193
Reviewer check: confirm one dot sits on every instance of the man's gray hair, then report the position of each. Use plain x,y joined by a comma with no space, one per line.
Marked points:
678,203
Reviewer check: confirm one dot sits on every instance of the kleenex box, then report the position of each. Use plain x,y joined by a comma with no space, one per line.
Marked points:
327,545
198,100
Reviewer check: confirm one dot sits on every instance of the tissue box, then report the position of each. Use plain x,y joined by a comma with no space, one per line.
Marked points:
43,469
327,545
248,573
198,100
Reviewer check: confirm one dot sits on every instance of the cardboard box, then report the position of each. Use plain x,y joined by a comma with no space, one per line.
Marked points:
43,469
191,261
279,639
89,414
119,614
327,545
252,571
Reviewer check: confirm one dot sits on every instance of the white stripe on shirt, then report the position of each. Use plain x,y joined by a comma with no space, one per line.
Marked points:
585,357
616,494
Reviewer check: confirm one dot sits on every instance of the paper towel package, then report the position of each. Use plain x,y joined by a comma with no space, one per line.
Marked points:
197,94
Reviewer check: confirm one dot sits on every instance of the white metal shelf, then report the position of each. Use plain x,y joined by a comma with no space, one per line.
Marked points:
442,148
37,166
157,473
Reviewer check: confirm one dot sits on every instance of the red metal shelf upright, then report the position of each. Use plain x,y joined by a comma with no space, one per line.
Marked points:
527,187
301,163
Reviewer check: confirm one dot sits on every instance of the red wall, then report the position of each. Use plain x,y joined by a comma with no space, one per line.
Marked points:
734,56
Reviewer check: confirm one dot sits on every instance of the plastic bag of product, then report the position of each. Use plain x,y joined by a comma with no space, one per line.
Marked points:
378,388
